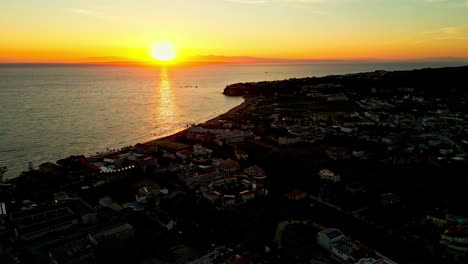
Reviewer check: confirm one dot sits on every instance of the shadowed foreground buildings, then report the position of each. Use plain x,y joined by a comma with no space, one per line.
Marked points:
380,157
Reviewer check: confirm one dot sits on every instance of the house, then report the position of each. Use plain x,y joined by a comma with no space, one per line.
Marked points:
112,175
199,177
146,148
143,161
246,195
259,189
230,179
328,237
229,200
437,217
235,136
337,153
184,155
148,192
229,166
201,152
77,251
286,141
218,181
296,195
389,199
248,182
455,240
345,249
211,195
327,175
240,154
162,217
255,172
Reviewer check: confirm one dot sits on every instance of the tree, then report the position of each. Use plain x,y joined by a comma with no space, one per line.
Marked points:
3,170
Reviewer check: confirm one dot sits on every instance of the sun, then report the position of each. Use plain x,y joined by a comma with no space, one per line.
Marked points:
163,51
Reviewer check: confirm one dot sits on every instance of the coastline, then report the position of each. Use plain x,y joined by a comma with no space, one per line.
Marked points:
247,102
173,136
169,137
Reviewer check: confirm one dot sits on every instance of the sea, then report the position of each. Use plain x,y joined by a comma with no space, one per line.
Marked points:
49,112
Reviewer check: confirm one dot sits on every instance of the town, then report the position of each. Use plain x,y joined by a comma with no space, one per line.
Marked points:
361,168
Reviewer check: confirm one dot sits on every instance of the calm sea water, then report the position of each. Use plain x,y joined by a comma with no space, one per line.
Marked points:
50,112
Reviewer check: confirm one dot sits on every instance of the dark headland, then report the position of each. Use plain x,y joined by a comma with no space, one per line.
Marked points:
357,168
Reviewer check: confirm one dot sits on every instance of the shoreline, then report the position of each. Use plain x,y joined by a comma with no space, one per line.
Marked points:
171,137
232,111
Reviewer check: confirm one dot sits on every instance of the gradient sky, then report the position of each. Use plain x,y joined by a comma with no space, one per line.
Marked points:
86,30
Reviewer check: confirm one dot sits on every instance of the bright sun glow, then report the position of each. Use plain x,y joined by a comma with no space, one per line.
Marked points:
163,51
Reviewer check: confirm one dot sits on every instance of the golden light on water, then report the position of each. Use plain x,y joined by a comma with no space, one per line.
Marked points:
163,51
166,107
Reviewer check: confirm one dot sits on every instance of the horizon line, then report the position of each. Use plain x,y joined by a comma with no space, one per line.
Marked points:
217,59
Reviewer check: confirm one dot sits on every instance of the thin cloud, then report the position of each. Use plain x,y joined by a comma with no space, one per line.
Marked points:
94,13
447,33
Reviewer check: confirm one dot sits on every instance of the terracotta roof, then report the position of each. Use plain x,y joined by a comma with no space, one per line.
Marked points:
240,152
295,193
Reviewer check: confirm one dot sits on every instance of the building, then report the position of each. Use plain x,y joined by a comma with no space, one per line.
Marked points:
211,195
199,177
286,141
345,249
3,217
229,166
229,200
162,217
296,195
259,189
109,175
74,252
248,182
455,241
146,148
328,237
337,153
327,175
389,199
255,172
201,152
373,261
184,155
51,218
240,154
233,136
246,196
120,232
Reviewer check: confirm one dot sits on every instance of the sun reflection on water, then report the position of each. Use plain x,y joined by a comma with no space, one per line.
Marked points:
166,109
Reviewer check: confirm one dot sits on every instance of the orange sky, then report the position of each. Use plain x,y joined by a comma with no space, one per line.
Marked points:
120,30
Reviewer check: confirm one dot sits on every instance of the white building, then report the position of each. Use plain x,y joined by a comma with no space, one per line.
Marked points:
201,152
211,195
246,195
327,175
229,200
328,237
285,141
